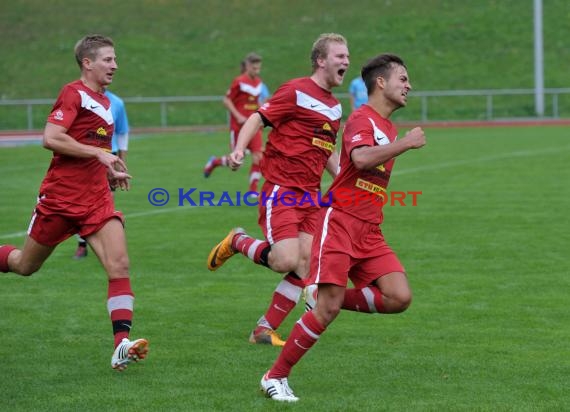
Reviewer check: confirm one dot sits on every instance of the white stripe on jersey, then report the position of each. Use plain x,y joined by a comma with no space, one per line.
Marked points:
323,237
379,135
308,102
32,222
249,89
268,210
94,106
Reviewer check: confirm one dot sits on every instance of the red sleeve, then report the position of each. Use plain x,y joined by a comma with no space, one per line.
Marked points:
358,131
66,107
233,90
281,106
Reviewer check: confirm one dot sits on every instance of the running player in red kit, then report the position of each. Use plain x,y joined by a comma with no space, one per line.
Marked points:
241,100
305,118
75,196
348,243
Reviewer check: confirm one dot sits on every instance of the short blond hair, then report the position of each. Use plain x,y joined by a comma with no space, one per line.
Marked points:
321,46
89,45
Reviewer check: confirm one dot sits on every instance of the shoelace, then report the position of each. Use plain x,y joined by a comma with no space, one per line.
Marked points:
286,387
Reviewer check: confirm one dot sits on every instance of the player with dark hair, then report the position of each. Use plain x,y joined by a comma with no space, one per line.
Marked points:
75,195
348,243
304,116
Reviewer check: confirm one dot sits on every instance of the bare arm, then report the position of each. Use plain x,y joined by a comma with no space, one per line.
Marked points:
332,164
368,157
57,140
248,130
123,156
232,109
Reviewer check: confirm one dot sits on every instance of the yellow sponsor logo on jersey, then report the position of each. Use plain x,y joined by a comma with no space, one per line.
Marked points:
327,127
381,168
101,131
323,144
251,106
370,187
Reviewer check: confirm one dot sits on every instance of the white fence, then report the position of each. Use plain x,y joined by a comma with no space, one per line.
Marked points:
551,95
489,95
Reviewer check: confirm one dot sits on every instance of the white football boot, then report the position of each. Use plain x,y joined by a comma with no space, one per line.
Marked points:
277,389
129,351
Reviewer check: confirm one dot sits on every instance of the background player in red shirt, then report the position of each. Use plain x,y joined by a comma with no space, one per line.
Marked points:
75,196
349,243
305,117
241,100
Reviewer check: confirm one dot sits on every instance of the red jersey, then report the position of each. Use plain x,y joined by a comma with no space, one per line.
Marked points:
87,117
362,193
305,120
244,93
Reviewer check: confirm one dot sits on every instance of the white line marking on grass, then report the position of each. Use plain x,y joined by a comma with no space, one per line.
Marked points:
16,234
445,165
519,153
129,216
158,211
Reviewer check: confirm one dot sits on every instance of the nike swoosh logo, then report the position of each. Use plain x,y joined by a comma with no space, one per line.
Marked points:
213,261
314,105
128,326
279,308
93,107
299,345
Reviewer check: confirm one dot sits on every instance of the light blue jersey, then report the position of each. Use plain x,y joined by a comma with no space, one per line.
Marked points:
357,90
120,118
264,95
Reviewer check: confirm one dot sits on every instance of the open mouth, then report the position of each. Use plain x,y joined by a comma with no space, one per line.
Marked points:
341,72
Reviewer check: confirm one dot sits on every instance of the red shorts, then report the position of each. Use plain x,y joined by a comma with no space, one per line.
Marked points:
54,221
346,247
255,145
284,212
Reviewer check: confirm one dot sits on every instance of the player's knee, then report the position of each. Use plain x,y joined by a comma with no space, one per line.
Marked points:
333,310
403,300
283,265
284,262
27,269
118,267
327,312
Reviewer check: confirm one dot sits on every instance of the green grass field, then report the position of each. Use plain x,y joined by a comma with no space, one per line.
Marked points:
193,48
485,249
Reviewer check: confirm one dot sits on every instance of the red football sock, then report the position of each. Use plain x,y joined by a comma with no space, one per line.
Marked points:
5,250
285,297
304,335
120,299
254,176
367,300
254,249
